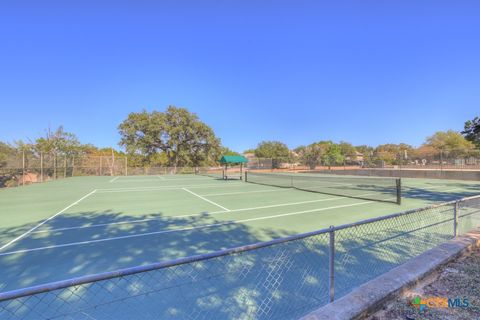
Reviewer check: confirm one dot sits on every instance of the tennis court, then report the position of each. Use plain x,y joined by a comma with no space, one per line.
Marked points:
87,225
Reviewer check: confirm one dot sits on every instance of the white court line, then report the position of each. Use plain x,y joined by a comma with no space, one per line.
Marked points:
187,215
242,192
201,214
153,178
275,205
45,221
427,188
453,190
141,189
187,179
181,229
192,215
205,199
161,178
113,179
448,190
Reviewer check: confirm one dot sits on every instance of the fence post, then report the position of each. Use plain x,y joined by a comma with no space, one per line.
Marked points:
55,166
23,167
41,166
126,165
73,165
112,168
65,167
455,220
331,278
441,160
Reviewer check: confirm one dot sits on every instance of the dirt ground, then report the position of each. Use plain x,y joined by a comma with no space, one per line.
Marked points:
458,279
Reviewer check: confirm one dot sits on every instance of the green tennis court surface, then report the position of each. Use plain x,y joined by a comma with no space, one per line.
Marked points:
86,225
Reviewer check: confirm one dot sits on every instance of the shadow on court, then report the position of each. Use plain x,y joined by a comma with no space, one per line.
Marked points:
455,191
281,281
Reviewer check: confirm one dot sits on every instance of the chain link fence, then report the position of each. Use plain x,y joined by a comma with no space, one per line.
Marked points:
424,159
26,168
280,279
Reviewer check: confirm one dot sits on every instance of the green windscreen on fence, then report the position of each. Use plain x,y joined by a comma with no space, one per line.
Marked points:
368,188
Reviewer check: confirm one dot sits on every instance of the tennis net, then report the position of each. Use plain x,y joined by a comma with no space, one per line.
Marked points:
367,188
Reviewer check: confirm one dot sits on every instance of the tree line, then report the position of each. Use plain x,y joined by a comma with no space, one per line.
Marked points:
448,144
177,137
174,138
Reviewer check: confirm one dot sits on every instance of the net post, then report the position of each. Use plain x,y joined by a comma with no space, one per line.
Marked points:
331,267
246,175
455,219
399,190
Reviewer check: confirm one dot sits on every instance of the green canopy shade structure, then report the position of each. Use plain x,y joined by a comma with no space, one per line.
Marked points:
230,161
233,160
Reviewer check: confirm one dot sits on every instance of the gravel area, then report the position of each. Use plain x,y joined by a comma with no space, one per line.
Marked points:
458,279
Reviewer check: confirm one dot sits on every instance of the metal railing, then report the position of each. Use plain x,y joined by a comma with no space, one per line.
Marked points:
279,279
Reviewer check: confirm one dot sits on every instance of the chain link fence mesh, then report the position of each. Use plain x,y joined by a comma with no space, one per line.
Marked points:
281,279
278,281
25,168
368,250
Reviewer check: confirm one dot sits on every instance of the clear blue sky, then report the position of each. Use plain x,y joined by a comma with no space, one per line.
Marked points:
368,72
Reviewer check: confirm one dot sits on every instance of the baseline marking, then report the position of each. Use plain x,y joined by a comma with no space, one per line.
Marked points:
160,177
46,220
181,229
205,199
114,179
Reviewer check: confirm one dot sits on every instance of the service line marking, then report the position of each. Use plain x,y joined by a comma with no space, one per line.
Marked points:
181,229
205,199
172,187
244,192
192,215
